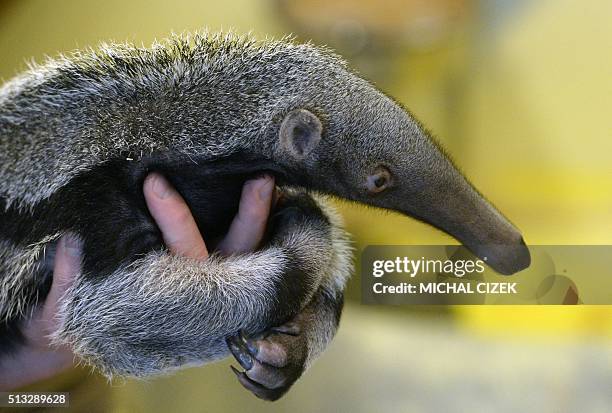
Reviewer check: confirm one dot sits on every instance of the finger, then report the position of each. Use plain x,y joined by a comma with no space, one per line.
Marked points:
249,225
172,215
67,266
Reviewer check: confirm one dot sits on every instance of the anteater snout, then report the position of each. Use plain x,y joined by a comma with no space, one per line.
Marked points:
506,259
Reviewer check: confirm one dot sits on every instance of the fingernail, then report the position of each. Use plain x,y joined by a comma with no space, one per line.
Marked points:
72,245
266,188
161,187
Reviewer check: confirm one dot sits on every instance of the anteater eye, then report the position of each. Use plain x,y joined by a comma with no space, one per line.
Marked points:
379,180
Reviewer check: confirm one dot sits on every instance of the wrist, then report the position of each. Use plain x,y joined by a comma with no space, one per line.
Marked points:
31,364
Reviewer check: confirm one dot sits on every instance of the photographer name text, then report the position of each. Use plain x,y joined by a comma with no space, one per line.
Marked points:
453,270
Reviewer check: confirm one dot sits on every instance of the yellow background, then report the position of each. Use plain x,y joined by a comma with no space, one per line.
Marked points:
522,99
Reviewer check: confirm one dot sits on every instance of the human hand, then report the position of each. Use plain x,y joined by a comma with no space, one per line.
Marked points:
39,359
180,232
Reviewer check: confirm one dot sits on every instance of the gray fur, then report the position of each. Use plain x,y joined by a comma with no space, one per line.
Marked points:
187,314
86,108
22,264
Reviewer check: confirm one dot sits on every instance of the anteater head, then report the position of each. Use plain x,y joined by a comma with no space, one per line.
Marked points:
344,137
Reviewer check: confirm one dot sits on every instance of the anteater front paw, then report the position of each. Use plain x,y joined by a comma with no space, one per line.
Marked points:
272,362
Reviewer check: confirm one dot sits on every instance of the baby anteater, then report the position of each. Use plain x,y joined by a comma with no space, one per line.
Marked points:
79,134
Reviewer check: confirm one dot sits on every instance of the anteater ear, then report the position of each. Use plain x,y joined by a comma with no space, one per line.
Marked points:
300,132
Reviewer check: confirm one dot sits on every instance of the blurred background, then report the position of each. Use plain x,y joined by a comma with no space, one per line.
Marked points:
519,92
